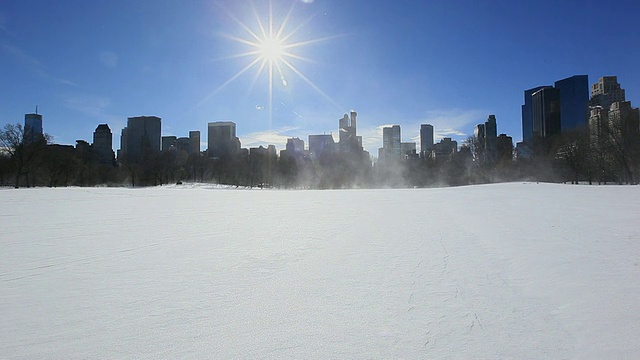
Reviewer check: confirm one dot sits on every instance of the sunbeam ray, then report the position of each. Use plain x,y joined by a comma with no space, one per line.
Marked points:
272,50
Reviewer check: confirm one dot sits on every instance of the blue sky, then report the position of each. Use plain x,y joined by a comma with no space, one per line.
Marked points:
448,63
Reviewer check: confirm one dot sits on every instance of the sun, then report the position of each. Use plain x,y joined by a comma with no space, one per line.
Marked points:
272,52
272,49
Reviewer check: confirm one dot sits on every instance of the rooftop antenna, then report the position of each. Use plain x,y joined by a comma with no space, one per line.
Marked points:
36,109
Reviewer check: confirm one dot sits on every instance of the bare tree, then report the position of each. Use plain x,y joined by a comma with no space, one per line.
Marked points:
22,150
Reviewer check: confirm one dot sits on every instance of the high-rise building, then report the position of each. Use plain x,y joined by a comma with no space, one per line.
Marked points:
597,126
103,144
571,109
295,145
490,135
624,121
426,138
320,145
348,140
183,144
222,139
445,147
605,92
33,126
408,149
527,114
168,142
504,147
141,136
478,133
194,140
546,113
391,144
574,101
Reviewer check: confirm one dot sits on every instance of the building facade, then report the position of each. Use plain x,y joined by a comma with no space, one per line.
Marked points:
426,138
605,92
141,137
33,127
194,140
574,102
168,142
103,144
545,114
295,145
222,140
320,145
348,139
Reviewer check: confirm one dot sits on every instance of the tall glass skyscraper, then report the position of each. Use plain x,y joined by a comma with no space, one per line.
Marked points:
527,114
32,126
574,101
426,138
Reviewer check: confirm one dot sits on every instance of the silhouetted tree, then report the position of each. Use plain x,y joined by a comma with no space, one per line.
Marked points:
59,164
574,155
24,151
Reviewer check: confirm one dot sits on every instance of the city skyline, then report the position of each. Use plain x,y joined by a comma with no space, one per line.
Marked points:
103,66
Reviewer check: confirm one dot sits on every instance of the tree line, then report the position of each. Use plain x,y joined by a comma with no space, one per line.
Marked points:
569,157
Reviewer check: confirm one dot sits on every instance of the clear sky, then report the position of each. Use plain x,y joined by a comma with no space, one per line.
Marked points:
448,63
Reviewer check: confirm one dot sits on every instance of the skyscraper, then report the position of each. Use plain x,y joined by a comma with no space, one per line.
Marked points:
391,142
527,115
605,92
624,122
426,138
222,140
141,136
103,144
348,140
574,101
546,113
33,126
194,140
320,145
295,145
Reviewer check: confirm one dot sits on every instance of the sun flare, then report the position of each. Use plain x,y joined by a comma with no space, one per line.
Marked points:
271,50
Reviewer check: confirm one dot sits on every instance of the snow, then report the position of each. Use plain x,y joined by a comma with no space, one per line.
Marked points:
510,271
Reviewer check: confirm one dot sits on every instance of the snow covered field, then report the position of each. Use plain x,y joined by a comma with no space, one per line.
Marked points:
509,271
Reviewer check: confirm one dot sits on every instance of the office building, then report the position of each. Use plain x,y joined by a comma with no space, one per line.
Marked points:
574,102
570,108
33,127
103,144
168,142
348,140
490,134
504,148
320,145
426,138
391,143
183,144
445,147
295,145
194,140
605,92
408,150
141,137
222,140
527,114
624,121
545,114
